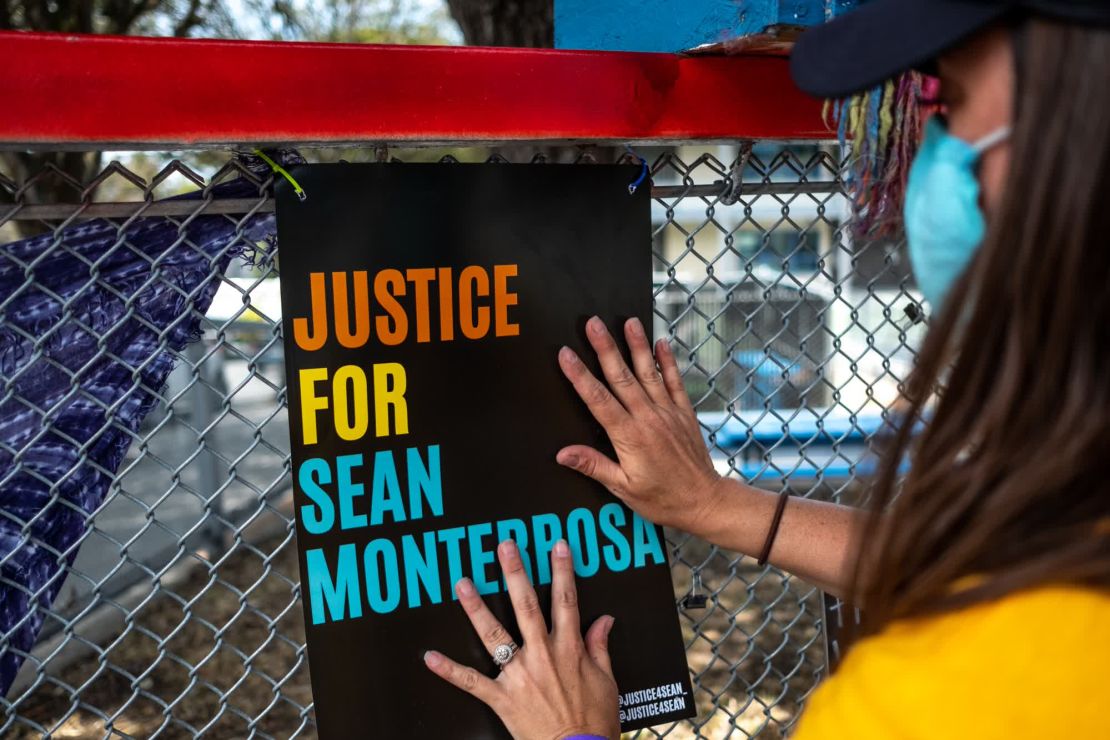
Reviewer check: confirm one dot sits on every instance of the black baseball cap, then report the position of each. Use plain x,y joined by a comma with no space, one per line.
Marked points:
883,38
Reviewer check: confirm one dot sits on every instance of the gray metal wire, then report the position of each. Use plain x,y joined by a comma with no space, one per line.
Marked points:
180,616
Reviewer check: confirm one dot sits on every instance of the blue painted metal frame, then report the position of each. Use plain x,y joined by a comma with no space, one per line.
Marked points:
676,25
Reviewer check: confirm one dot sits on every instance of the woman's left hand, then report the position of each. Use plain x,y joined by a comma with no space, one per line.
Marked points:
556,685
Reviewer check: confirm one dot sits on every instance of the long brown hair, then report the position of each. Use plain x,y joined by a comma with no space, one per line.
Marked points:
1010,478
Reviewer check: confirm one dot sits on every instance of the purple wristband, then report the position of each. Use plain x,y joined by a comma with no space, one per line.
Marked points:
585,737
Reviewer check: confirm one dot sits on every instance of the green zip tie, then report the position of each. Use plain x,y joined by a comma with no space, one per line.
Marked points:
281,171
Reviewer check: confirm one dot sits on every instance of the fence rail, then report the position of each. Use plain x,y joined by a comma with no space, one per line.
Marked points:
97,92
233,206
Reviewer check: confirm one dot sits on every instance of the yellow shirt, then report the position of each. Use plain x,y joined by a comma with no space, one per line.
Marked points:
1035,664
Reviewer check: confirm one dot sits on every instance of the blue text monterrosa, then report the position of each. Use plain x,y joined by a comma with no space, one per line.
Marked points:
414,570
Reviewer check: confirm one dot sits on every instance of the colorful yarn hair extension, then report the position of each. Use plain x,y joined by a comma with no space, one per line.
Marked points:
883,127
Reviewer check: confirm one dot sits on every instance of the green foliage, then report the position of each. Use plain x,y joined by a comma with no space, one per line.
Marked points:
373,22
355,21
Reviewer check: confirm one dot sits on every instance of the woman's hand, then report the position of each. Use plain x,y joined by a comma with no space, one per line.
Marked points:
555,685
663,470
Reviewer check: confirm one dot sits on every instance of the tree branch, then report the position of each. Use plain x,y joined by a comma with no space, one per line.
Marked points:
189,21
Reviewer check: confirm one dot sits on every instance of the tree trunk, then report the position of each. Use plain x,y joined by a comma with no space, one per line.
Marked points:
505,22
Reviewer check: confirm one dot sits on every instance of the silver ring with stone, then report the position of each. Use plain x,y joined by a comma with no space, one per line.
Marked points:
503,654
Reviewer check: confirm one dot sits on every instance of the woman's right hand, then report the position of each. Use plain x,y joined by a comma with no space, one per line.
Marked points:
663,470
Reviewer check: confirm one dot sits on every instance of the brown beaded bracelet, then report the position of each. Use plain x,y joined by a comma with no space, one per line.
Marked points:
775,520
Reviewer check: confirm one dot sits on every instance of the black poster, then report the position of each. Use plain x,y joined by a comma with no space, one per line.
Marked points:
423,309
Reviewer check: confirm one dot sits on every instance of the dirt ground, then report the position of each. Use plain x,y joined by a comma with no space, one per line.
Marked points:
222,656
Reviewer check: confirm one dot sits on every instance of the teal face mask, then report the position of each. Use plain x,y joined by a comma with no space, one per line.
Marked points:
943,221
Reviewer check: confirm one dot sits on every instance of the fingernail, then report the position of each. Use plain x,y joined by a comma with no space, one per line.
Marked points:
596,325
562,549
636,327
663,346
465,587
609,626
566,354
432,658
568,458
508,547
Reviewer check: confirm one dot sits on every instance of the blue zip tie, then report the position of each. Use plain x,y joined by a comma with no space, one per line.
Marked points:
643,171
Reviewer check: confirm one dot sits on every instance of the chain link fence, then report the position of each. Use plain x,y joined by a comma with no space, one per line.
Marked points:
179,614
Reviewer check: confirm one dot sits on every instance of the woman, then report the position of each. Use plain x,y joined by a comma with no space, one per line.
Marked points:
1001,531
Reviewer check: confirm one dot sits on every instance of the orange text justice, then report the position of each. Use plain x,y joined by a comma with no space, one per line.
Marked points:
474,302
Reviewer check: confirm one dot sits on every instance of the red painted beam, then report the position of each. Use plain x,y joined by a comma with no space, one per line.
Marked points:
71,91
